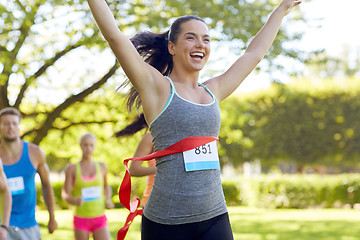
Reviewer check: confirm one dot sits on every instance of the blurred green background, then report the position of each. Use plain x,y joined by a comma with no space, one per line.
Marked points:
289,149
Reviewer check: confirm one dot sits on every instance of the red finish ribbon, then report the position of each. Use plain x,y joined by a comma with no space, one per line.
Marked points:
125,187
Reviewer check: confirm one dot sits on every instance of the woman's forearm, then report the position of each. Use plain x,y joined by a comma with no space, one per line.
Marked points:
265,37
140,171
104,19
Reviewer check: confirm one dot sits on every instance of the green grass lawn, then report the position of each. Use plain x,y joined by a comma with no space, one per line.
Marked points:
247,224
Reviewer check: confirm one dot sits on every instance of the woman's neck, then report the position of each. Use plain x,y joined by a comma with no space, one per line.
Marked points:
189,79
86,159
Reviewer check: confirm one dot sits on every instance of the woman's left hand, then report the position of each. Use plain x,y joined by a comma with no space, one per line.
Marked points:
289,4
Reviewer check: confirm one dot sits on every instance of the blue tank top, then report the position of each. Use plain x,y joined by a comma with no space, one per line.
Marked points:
21,181
179,196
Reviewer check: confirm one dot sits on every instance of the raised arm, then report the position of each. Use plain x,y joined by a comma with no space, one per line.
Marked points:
148,81
123,49
225,84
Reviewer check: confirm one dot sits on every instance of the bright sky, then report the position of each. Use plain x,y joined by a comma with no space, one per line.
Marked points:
338,20
332,24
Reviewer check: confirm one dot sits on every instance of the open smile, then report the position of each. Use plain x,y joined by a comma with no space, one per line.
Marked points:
197,55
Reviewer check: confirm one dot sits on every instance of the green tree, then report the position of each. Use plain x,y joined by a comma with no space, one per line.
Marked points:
62,143
306,124
40,40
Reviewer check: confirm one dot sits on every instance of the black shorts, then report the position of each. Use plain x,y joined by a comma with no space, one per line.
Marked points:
217,228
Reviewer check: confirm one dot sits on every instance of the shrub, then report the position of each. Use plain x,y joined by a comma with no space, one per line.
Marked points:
301,191
232,193
266,191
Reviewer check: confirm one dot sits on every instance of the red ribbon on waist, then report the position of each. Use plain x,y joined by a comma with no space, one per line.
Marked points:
125,187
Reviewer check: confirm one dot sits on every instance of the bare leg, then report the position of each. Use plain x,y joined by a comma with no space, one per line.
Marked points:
81,235
102,234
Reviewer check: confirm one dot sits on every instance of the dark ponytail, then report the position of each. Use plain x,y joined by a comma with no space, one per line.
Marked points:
153,48
138,124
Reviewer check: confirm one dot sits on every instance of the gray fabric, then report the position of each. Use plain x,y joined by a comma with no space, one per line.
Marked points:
178,196
16,233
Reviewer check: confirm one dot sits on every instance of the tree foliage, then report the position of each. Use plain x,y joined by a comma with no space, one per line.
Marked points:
52,64
62,143
306,124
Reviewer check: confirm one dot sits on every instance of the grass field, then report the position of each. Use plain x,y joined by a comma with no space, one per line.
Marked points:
247,224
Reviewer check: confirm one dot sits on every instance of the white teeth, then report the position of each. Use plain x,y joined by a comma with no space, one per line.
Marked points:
197,55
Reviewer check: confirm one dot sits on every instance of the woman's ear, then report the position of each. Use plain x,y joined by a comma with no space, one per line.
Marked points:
171,48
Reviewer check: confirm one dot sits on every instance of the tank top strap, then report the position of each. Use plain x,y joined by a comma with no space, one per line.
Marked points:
78,171
25,157
171,82
207,89
172,91
25,149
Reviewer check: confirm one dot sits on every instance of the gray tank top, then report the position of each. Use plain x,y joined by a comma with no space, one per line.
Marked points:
179,196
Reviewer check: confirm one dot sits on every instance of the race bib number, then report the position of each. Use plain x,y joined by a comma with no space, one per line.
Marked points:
16,185
202,158
90,193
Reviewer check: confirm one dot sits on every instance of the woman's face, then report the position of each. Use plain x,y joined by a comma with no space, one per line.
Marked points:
87,145
192,47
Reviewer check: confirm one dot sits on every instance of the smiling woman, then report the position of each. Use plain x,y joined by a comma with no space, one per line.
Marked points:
185,203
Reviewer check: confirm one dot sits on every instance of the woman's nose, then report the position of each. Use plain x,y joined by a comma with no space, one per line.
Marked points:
200,43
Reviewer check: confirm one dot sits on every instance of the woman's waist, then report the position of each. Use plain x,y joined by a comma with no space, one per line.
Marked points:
194,184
